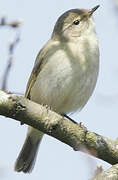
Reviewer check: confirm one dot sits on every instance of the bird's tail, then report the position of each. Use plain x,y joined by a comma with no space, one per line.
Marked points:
26,159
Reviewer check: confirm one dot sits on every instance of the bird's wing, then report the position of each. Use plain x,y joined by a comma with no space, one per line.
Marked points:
41,60
33,76
37,68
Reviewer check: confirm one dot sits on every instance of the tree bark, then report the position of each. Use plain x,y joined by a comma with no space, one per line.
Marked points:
110,174
53,124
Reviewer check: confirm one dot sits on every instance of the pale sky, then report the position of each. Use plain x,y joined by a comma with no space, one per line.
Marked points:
56,160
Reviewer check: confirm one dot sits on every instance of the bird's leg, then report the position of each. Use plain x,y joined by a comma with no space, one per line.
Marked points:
79,124
70,119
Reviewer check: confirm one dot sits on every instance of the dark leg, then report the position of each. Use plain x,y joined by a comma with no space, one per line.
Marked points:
80,124
70,118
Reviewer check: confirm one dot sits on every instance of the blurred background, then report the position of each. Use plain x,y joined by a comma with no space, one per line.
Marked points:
56,160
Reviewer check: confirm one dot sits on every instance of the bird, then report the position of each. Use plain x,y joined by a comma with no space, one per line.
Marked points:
64,75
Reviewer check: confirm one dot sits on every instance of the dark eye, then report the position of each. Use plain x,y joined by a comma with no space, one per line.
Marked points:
76,22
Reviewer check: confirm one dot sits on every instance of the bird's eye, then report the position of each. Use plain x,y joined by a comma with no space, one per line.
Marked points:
76,22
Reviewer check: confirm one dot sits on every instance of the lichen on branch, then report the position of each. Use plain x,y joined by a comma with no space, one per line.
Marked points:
53,124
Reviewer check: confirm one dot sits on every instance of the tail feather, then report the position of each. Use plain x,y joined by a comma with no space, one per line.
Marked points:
26,159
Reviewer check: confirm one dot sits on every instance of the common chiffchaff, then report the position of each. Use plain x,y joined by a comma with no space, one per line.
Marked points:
64,74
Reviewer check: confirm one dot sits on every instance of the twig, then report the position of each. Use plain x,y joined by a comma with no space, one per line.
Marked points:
98,171
12,45
110,174
12,24
9,62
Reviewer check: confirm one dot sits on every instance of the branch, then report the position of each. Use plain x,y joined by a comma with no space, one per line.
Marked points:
53,124
12,24
12,45
9,62
110,174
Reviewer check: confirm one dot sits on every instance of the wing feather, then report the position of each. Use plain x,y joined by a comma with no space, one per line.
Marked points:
41,60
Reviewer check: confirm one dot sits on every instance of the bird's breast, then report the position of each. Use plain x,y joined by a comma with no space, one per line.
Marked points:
68,78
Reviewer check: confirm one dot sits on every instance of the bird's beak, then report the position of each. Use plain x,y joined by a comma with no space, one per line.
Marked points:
93,10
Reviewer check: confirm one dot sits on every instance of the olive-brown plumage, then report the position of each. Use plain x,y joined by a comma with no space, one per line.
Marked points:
64,74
